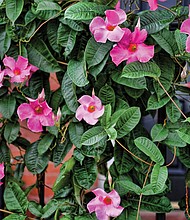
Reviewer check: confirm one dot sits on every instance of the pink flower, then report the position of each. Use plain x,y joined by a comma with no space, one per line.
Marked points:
108,28
105,205
185,28
38,113
132,47
2,74
154,4
1,172
19,70
90,110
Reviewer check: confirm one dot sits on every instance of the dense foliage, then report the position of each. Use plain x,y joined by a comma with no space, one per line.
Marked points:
53,36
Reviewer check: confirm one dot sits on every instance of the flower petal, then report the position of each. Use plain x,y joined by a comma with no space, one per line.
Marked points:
2,171
25,111
93,204
97,23
100,192
99,113
85,100
80,112
47,120
112,17
138,36
46,109
101,35
89,119
101,213
188,44
185,27
122,15
113,211
21,63
145,52
116,35
34,124
114,196
9,62
118,54
153,4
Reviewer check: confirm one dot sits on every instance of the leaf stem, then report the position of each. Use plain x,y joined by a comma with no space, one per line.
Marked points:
8,212
172,158
187,201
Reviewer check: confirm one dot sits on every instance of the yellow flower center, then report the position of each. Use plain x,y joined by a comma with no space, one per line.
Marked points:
132,47
38,110
91,108
16,72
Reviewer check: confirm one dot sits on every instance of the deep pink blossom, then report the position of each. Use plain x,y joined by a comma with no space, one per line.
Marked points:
105,205
132,47
2,174
108,28
19,70
90,110
185,28
2,74
38,113
154,4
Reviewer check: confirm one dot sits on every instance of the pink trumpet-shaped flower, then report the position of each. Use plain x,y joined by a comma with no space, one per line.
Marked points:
132,47
108,28
154,4
90,110
2,174
2,74
38,113
105,205
19,70
185,28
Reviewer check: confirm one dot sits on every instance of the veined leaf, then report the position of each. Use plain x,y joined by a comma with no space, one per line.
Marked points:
127,121
84,11
7,106
105,119
150,149
47,5
14,9
75,133
15,198
5,41
49,208
159,176
45,143
93,135
15,217
173,139
172,112
107,95
159,133
184,134
35,208
137,70
11,131
4,153
180,40
154,103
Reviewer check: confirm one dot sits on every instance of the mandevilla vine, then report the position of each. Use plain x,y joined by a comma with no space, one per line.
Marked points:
114,68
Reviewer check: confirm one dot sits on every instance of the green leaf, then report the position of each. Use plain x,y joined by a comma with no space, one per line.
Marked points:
40,56
49,208
93,135
159,133
134,93
184,134
86,173
14,9
166,40
4,153
45,143
159,176
180,40
173,139
96,52
137,69
105,119
47,5
112,133
11,131
15,198
15,217
5,41
84,11
75,133
107,95
154,21
172,112
35,208
35,163
150,149
7,106
127,120
75,25
69,93
76,71
125,186
154,103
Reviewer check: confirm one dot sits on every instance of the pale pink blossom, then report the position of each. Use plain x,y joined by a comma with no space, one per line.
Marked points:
2,174
90,110
108,28
185,28
19,70
105,205
38,113
132,47
2,74
154,4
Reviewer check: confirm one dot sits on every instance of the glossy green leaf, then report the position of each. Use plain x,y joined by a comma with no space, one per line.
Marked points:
5,41
4,153
68,90
49,208
15,198
184,134
45,143
40,56
148,190
76,71
180,40
134,93
93,135
7,106
154,103
14,9
15,217
105,119
96,52
75,25
137,70
112,133
127,121
35,163
84,11
150,149
11,131
154,21
75,133
86,173
158,133
107,95
47,5
172,112
173,139
159,176
35,208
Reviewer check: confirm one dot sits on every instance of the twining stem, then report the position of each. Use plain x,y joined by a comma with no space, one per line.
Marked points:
172,158
140,198
150,164
187,201
171,99
8,212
